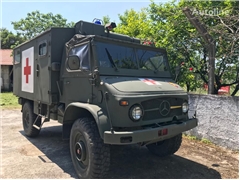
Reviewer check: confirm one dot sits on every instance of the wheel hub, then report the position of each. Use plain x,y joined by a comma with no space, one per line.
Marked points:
80,151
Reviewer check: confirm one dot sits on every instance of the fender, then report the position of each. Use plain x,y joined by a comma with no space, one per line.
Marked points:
77,110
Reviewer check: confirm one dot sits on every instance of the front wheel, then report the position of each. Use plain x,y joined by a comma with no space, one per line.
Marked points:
166,147
90,156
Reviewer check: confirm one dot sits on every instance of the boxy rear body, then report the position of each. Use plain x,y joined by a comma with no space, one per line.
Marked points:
48,51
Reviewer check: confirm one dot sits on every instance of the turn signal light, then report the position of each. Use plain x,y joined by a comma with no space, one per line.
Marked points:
123,103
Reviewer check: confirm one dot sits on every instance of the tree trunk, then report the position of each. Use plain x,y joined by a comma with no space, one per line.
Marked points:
235,90
188,87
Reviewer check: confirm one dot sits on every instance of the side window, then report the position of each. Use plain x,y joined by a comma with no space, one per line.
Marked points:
42,48
82,52
17,56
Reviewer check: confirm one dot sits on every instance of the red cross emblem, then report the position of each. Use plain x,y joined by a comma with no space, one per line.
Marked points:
27,70
150,81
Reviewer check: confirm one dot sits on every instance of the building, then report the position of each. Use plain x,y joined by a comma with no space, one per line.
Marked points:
6,62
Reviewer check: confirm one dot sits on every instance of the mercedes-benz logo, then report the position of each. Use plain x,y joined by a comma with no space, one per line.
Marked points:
164,108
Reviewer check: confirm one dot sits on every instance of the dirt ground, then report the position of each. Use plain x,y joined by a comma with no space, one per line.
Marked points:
48,156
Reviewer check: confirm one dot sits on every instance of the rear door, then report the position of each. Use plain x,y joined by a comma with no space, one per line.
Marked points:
17,72
42,68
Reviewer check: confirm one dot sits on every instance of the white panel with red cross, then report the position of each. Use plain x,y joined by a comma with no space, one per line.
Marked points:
27,70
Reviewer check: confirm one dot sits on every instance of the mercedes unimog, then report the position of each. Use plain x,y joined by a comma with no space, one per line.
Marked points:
104,88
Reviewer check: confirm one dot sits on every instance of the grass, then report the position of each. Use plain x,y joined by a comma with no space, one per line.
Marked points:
7,100
206,141
190,137
203,140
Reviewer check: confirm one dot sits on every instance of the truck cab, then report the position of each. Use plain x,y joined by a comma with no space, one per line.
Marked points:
105,88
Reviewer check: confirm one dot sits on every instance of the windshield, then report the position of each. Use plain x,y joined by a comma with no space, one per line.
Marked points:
123,57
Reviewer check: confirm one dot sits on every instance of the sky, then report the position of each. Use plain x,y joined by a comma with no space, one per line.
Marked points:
72,10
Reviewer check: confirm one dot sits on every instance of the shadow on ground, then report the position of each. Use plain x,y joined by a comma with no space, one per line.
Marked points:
130,161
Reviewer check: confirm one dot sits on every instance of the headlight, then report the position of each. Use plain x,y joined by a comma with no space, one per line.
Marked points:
185,107
136,113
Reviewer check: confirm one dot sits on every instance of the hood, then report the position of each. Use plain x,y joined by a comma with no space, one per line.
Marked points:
135,84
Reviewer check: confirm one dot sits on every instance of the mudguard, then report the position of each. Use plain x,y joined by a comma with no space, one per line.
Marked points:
77,110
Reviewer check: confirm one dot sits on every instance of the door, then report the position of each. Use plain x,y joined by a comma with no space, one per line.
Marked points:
17,72
42,72
77,85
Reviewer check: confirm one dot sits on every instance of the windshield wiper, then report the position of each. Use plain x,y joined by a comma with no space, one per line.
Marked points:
111,60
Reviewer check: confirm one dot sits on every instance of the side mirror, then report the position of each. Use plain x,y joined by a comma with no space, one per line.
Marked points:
73,62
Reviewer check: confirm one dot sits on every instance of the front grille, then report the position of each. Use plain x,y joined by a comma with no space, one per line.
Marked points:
152,108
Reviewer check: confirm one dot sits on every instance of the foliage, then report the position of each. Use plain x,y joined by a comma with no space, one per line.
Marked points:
184,44
106,19
190,137
206,141
224,28
194,138
10,40
7,99
36,22
167,26
135,24
172,31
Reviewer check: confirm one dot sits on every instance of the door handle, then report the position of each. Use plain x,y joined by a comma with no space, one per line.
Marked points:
37,70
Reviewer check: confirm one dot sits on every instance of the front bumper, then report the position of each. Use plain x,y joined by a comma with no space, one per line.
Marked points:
150,134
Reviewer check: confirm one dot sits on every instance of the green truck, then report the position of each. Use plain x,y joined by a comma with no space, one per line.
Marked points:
104,88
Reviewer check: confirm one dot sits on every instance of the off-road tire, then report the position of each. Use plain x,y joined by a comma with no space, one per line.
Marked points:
166,147
28,118
97,161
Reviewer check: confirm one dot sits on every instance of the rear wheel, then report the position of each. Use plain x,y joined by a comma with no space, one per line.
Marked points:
90,156
28,119
166,147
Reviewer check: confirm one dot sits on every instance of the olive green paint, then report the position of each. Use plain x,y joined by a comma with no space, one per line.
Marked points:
66,94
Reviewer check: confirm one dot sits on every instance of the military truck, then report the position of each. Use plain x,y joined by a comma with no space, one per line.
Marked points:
104,88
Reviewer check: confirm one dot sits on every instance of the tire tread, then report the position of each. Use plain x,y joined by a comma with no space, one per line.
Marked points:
31,131
167,148
100,151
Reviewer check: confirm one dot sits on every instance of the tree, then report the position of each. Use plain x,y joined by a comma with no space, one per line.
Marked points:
184,44
172,32
106,19
135,24
36,22
146,26
10,40
226,31
167,26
